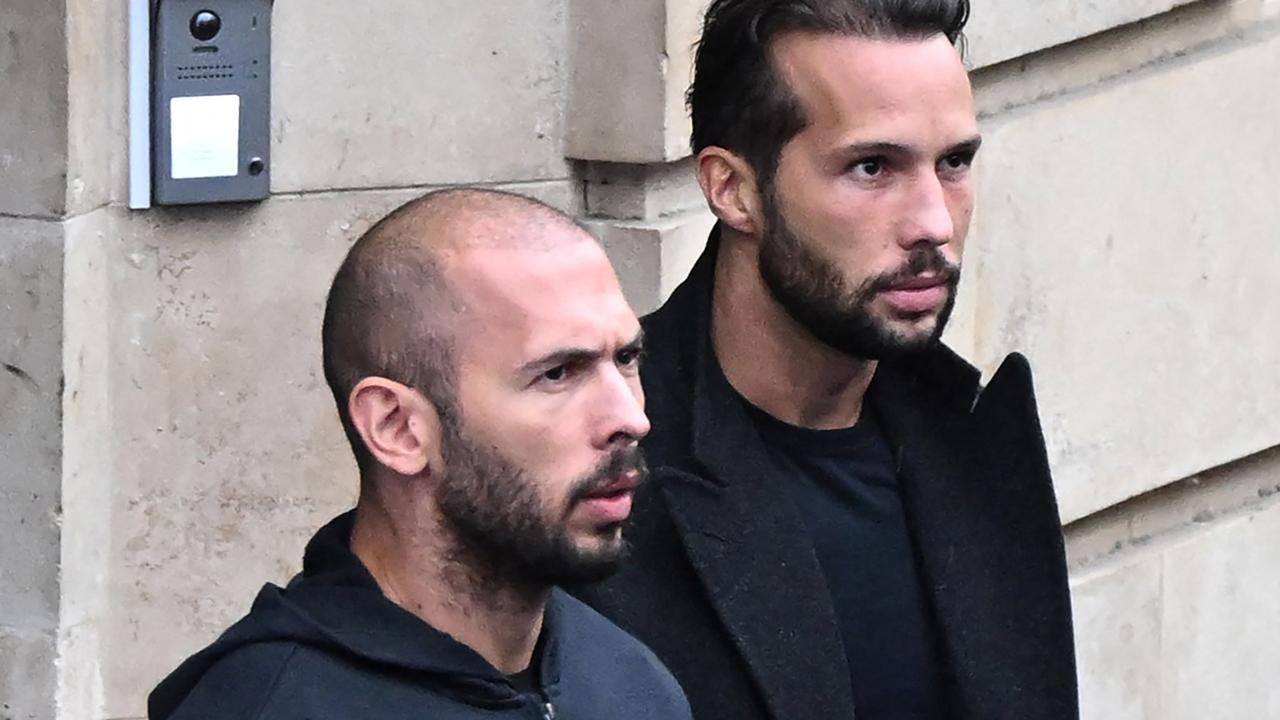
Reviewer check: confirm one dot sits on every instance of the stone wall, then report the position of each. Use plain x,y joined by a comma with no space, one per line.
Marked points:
167,442
33,138
30,462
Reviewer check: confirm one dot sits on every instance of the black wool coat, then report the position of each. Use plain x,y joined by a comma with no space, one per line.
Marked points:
723,583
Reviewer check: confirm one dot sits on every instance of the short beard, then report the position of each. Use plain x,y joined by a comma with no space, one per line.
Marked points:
499,522
812,290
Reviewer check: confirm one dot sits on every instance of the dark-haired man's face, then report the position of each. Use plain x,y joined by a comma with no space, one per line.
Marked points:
866,216
542,459
814,291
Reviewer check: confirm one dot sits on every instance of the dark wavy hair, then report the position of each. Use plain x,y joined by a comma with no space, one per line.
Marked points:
737,99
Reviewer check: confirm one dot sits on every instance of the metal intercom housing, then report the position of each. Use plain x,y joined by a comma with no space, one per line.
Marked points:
211,101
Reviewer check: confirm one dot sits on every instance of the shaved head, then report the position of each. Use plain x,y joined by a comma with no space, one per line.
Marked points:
392,311
454,220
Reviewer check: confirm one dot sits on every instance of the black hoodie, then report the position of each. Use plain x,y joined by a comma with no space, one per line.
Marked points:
331,645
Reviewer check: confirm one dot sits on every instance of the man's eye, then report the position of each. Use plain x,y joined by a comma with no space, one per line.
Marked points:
628,357
871,167
957,161
556,374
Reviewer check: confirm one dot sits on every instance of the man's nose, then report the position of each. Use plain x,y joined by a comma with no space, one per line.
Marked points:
928,216
620,403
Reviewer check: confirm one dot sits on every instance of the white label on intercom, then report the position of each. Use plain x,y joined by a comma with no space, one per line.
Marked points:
204,135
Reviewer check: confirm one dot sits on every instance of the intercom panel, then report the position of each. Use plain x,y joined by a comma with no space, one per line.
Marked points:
211,101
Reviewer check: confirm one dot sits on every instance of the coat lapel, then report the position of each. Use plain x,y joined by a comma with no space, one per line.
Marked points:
927,437
974,479
743,535
748,546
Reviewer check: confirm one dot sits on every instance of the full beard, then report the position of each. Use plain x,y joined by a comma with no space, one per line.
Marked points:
502,531
812,290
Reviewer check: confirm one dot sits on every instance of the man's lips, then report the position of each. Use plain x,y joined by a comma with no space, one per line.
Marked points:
920,282
612,503
918,295
627,482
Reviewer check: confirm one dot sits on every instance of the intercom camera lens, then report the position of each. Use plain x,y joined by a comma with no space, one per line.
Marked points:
205,25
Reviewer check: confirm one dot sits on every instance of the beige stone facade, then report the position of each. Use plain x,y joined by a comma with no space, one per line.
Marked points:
167,442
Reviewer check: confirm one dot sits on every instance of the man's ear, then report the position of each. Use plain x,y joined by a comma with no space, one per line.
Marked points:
400,427
729,184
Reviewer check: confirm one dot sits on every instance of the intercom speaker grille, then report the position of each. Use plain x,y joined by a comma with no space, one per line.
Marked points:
206,72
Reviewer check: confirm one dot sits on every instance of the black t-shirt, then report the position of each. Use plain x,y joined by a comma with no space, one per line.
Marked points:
845,486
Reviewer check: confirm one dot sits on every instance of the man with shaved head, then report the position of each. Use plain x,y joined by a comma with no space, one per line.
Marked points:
486,371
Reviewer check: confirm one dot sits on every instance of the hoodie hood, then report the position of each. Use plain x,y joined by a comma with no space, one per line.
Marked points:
334,605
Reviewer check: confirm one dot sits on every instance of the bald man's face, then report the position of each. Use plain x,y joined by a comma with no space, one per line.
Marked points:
544,461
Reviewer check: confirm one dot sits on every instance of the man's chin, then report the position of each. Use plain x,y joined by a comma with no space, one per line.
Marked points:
593,567
900,344
906,333
604,545
889,342
913,334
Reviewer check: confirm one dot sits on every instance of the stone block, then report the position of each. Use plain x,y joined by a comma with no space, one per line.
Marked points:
652,258
642,192
88,456
1117,612
27,675
1184,625
31,255
684,27
410,93
33,114
1102,58
1136,268
631,64
1254,10
1220,623
1005,29
97,104
1221,492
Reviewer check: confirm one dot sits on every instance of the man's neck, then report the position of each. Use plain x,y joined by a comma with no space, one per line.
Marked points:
418,569
770,359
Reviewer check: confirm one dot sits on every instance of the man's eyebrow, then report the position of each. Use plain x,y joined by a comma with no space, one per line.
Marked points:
563,356
576,355
967,146
884,147
870,148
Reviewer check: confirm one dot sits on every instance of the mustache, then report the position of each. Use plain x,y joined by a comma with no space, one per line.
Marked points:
620,461
925,259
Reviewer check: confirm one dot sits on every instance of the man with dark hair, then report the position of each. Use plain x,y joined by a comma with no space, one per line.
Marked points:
842,522
486,369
